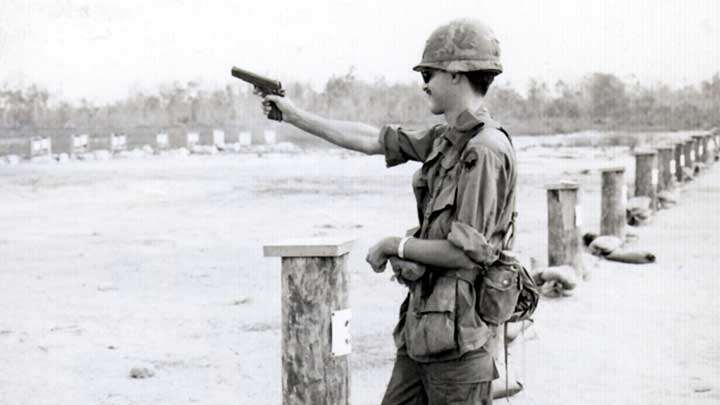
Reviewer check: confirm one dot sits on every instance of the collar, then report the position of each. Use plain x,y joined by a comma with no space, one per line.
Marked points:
468,123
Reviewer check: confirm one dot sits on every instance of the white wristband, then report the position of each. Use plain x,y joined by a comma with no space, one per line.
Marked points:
401,247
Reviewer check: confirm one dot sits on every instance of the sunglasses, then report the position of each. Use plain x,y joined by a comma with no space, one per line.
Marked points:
427,75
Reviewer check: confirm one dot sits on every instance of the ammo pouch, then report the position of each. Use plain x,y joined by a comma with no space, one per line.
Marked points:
498,288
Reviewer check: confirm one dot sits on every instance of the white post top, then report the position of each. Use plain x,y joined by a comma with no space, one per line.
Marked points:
308,247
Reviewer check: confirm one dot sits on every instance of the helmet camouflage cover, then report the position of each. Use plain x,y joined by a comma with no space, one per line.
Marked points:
462,45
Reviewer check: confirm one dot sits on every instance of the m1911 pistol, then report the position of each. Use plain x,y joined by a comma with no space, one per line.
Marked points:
264,86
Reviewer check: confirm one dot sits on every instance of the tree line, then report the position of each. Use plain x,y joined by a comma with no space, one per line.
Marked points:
599,100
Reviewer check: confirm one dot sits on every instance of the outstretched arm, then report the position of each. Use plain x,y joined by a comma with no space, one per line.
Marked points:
355,136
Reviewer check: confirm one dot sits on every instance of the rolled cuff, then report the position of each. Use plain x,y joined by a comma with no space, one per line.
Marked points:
473,243
389,139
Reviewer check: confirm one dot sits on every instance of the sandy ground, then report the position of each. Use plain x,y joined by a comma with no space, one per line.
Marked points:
157,263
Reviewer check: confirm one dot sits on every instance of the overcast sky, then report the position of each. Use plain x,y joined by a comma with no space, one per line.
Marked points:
102,50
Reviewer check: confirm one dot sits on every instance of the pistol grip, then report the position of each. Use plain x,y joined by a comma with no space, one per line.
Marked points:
275,113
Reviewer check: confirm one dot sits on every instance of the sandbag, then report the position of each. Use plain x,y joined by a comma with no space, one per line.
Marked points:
666,199
638,203
554,289
588,238
498,386
637,210
603,245
564,274
514,329
499,391
687,174
629,256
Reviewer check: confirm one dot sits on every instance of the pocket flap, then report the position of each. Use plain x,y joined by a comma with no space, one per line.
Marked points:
501,277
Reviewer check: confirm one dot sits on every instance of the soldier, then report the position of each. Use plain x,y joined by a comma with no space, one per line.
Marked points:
465,194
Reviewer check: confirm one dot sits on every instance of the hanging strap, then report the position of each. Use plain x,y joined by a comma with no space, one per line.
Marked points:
510,232
507,378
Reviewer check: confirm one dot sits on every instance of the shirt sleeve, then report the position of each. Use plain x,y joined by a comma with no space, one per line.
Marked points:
401,145
481,191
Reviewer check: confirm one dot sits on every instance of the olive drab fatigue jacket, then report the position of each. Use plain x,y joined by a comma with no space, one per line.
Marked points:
465,193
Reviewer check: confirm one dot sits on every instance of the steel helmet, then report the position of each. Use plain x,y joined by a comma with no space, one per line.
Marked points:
462,45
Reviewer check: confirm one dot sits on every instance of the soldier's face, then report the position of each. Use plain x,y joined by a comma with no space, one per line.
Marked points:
437,84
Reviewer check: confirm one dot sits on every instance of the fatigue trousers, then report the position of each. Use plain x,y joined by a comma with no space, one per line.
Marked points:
457,382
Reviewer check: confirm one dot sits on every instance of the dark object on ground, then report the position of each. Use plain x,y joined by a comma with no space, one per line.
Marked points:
588,238
141,372
634,257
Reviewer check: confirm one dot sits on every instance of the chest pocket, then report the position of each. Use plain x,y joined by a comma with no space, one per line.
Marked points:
442,211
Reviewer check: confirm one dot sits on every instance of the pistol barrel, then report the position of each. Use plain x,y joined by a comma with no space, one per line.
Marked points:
256,79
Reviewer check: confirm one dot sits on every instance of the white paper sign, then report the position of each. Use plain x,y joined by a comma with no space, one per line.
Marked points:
162,140
245,138
270,137
218,137
624,193
682,160
341,344
654,177
578,216
672,166
700,150
192,139
692,155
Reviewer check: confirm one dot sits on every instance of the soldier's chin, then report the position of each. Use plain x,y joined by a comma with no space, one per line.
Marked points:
434,108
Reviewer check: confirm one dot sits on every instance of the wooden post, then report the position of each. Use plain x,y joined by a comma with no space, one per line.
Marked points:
707,154
614,198
646,176
118,142
679,160
666,168
688,153
315,321
564,221
699,148
162,141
